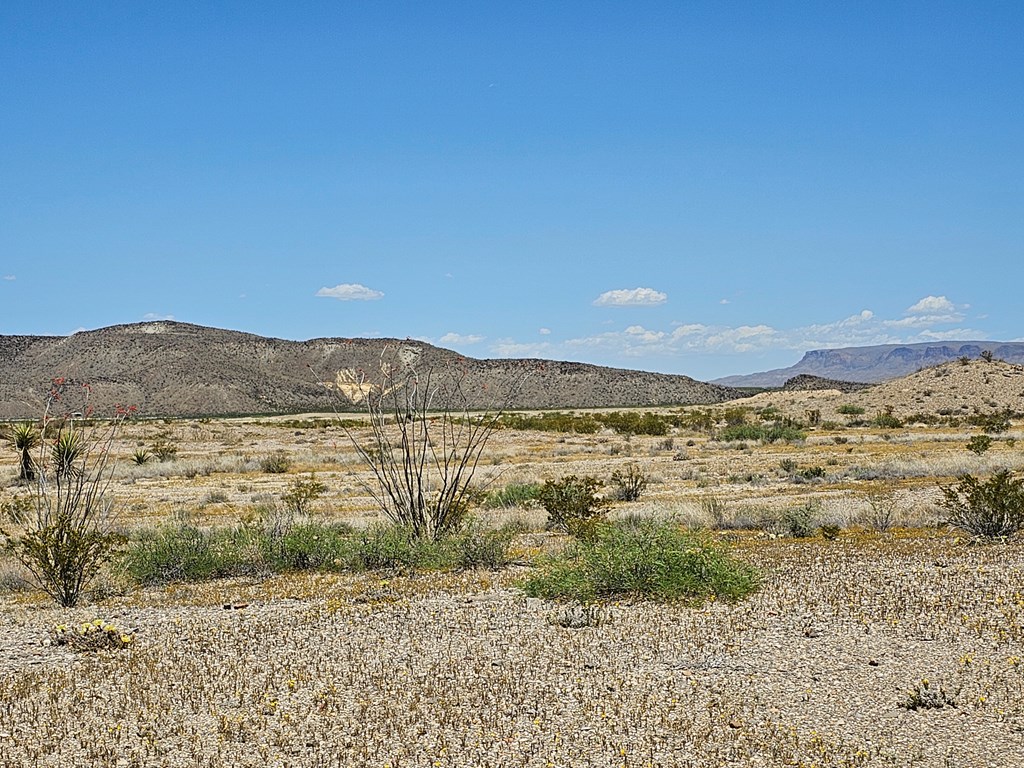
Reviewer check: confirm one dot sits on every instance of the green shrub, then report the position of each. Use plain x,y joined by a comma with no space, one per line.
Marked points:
989,509
303,492
631,482
573,505
979,444
886,419
513,495
182,551
649,559
276,463
850,410
800,522
767,433
479,547
996,423
163,449
313,546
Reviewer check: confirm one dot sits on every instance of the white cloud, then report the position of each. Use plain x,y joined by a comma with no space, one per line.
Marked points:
864,328
931,305
725,301
350,292
635,297
461,339
544,331
10,277
151,317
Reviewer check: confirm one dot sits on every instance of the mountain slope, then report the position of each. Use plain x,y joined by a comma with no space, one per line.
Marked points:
877,363
171,368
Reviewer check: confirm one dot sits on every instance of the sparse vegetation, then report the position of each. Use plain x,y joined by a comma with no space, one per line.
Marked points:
302,492
69,536
647,559
276,463
979,444
988,509
630,482
513,495
573,505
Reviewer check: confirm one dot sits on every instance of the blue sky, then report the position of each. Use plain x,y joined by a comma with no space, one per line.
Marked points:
689,187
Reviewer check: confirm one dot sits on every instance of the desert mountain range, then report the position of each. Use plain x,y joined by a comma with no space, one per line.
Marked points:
172,368
877,363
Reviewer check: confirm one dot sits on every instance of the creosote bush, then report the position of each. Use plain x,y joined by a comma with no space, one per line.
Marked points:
302,492
645,559
988,509
979,444
573,505
276,463
630,482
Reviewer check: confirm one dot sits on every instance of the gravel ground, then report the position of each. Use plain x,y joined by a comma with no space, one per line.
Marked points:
462,670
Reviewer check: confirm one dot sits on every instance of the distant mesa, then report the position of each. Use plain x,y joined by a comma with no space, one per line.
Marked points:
877,363
169,368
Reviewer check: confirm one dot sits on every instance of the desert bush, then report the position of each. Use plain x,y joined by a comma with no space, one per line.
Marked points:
573,505
180,550
979,444
988,509
163,449
17,510
513,495
649,559
630,482
800,522
995,423
556,421
68,537
766,433
924,695
882,507
850,410
886,419
276,463
312,546
713,510
480,547
831,531
302,492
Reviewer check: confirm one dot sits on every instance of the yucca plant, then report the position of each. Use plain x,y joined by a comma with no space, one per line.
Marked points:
24,438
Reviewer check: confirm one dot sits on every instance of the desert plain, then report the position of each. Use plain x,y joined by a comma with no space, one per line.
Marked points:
882,638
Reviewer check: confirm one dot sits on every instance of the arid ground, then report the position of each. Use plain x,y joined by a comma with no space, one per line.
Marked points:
893,642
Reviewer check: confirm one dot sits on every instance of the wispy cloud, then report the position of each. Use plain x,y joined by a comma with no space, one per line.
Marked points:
544,331
350,292
10,277
930,320
461,339
631,297
150,317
